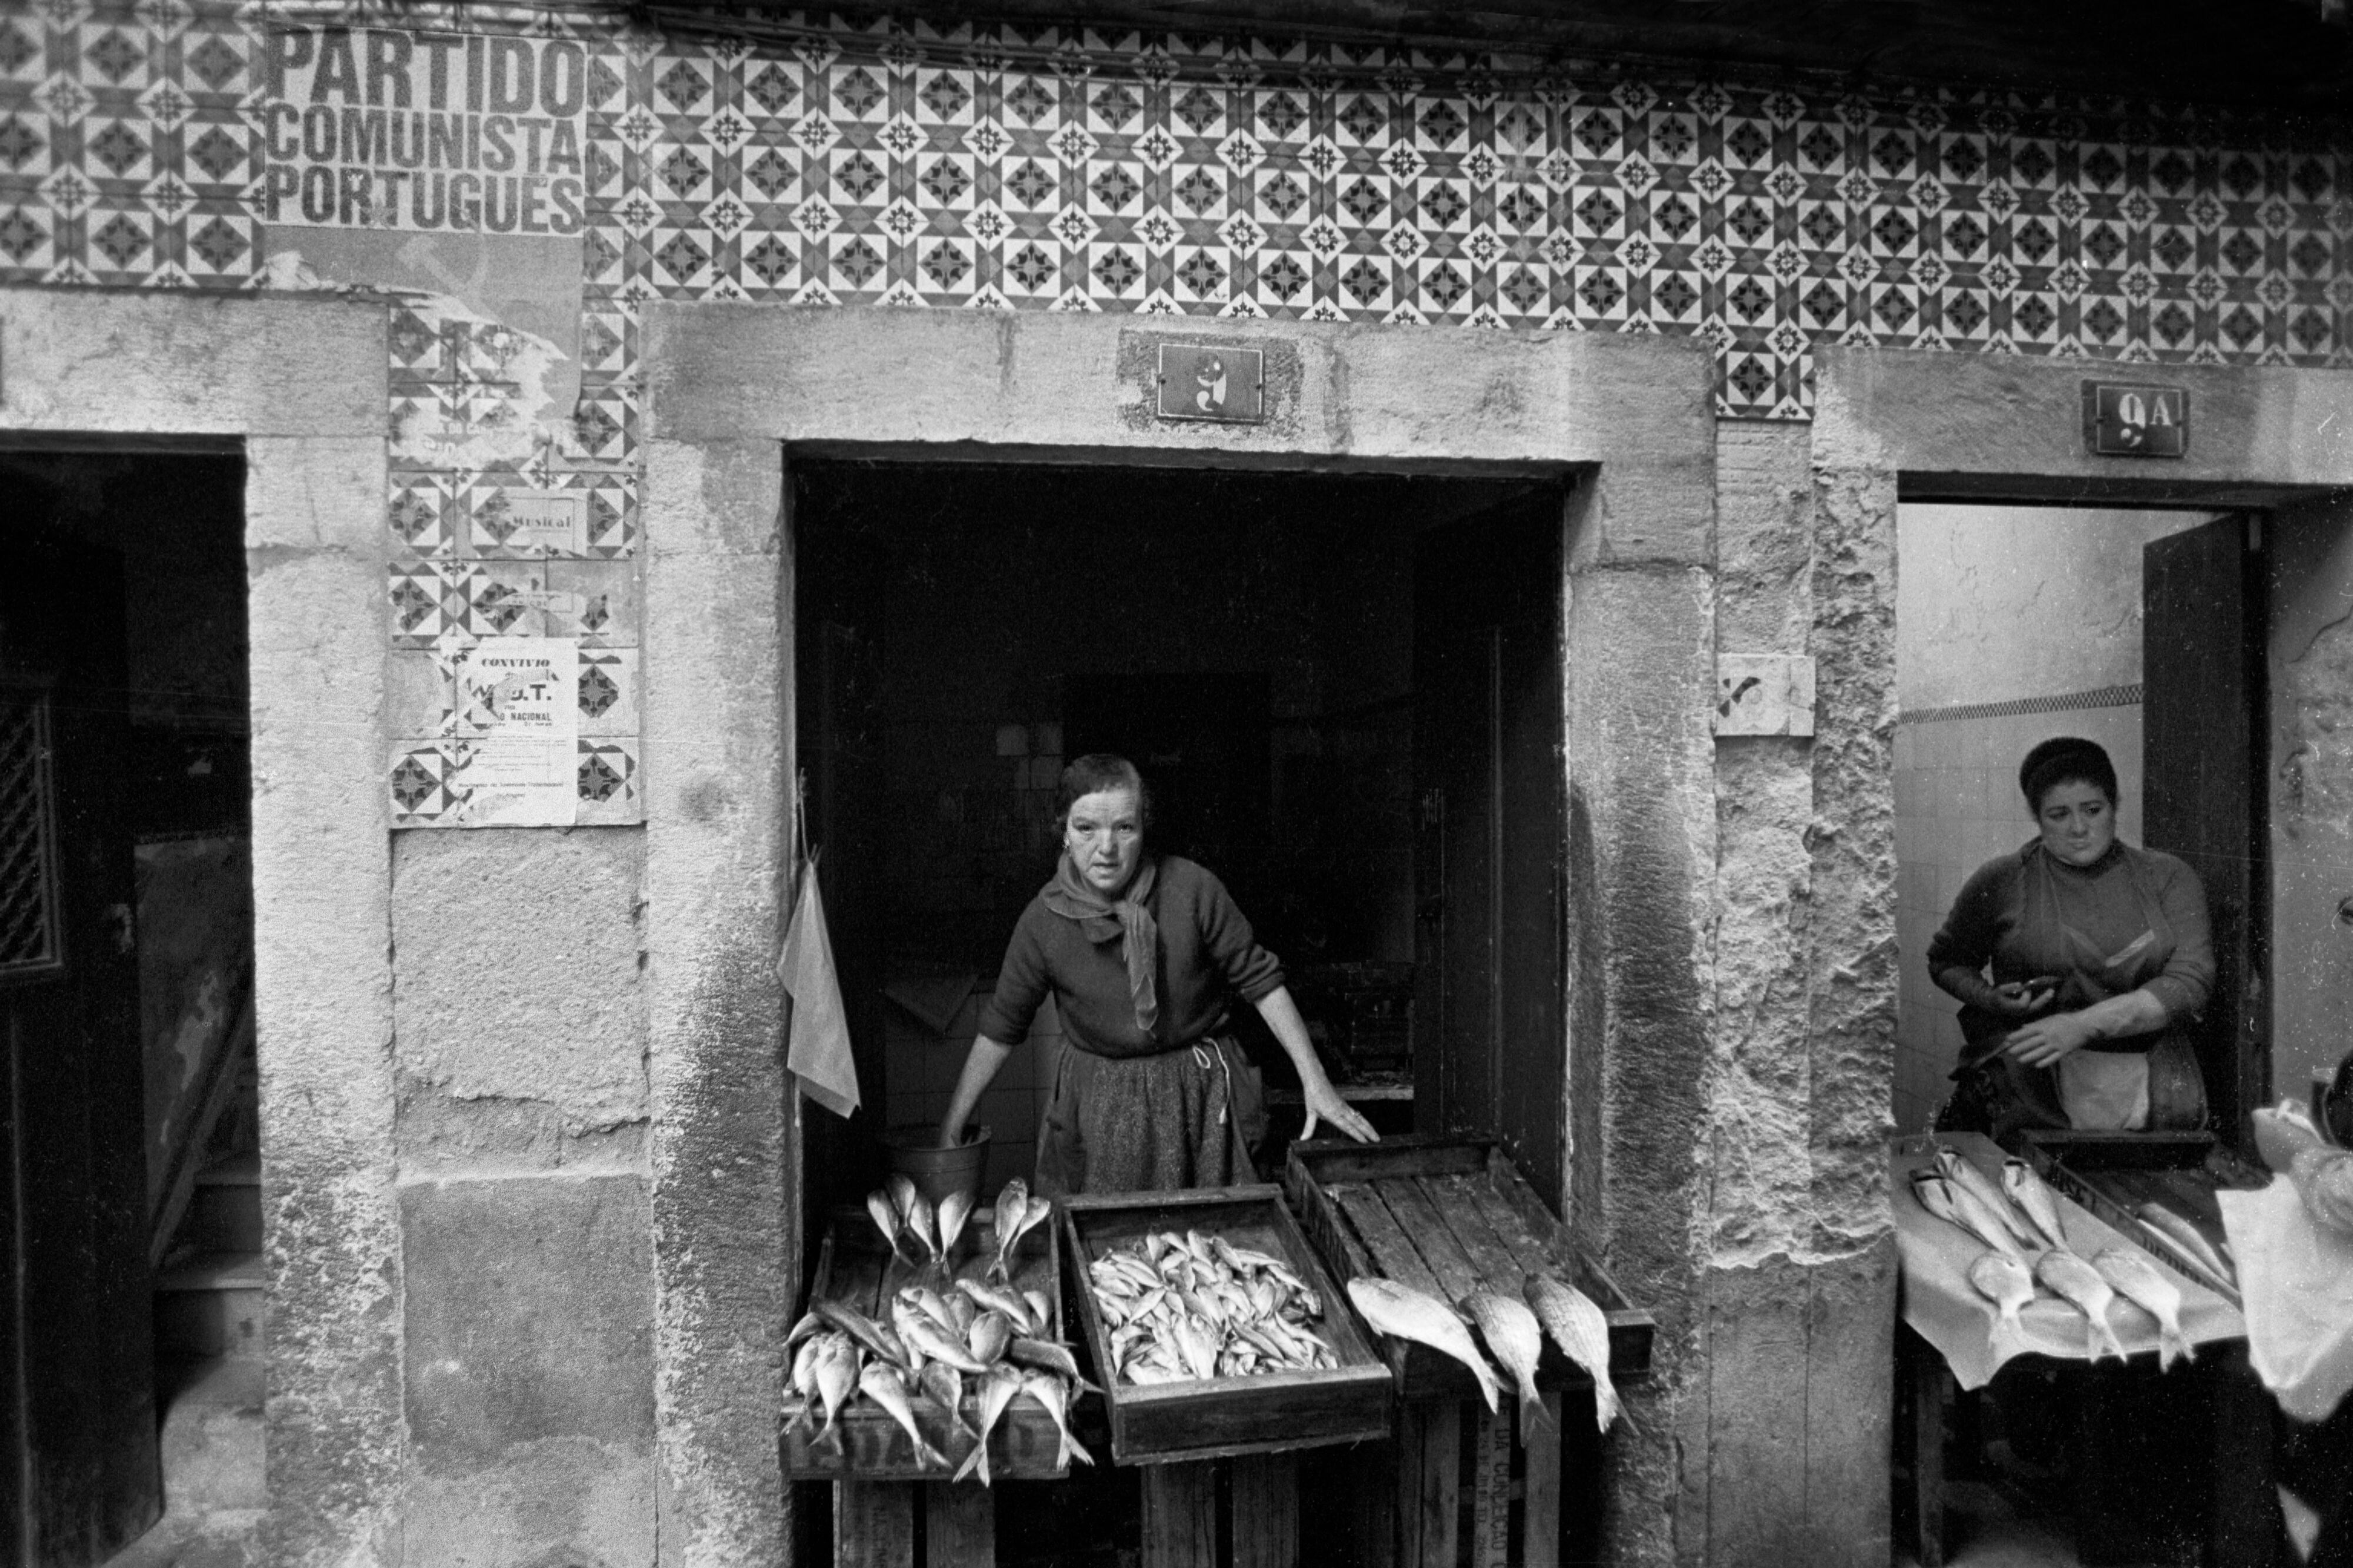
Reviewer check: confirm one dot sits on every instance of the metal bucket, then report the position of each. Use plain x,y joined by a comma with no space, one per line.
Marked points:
915,1154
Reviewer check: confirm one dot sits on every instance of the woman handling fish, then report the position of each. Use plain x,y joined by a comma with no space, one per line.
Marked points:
2101,955
1144,955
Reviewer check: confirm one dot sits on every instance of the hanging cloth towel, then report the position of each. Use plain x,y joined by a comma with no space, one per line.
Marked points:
1129,920
818,1052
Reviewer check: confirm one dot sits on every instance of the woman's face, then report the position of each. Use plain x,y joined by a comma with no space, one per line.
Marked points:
2078,821
1105,839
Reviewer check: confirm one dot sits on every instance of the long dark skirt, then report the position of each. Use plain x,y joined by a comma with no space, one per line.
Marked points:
1185,1118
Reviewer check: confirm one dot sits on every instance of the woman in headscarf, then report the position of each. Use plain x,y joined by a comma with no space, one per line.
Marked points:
1144,956
2080,962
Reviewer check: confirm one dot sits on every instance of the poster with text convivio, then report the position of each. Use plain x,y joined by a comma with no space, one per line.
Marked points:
518,721
388,128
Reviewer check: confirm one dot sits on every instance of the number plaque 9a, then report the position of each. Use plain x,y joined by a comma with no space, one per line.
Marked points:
2124,419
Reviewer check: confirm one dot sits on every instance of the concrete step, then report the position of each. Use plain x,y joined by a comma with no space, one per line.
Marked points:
210,1306
212,1446
225,1208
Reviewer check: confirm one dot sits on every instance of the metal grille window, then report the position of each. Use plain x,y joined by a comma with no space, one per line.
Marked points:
29,941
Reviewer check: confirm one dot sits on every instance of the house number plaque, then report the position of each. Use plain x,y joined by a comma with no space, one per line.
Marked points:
2123,419
1213,381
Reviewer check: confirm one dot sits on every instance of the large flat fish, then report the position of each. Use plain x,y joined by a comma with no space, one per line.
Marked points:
1961,1170
2033,1196
1516,1341
2078,1282
2003,1281
1579,1326
1403,1312
2142,1283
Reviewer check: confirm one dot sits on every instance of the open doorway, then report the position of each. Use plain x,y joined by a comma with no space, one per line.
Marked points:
1343,690
2141,632
2132,629
130,1218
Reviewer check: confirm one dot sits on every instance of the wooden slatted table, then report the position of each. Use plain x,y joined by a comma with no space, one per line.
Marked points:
1449,1216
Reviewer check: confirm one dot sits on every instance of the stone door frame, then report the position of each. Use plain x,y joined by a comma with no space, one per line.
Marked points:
296,385
733,393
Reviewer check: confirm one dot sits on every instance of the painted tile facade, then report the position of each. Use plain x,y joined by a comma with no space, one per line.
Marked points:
1007,168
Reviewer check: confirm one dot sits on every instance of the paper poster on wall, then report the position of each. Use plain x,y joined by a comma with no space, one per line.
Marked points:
519,723
393,128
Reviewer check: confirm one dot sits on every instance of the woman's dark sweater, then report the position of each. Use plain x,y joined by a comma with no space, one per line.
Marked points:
1208,956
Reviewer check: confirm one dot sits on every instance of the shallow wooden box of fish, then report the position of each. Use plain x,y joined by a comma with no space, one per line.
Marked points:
854,1267
2113,1174
1207,1418
1450,1215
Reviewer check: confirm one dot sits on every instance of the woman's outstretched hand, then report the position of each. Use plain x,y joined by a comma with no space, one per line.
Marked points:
2043,1042
1324,1104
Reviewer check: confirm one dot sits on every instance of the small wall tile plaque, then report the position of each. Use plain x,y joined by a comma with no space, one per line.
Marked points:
1764,694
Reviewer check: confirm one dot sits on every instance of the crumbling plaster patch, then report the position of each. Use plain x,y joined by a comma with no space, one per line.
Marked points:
518,958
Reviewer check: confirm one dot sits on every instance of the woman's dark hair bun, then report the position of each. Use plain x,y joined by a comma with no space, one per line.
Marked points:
2065,759
1097,772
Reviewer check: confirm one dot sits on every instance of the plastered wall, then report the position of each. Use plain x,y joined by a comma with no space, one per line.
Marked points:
2311,793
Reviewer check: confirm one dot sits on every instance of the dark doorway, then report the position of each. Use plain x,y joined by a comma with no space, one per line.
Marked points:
1294,660
125,970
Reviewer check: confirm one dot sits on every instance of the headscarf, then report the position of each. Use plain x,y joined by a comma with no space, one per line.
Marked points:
1101,920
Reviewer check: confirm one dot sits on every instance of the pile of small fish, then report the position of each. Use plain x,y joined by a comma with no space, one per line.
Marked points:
942,1332
1190,1305
2018,1221
924,1237
1513,1330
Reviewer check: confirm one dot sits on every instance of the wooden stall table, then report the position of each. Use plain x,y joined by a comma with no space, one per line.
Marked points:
1182,1434
1450,1216
880,1487
2164,1467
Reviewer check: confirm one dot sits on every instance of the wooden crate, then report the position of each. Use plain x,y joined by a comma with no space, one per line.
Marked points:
854,1267
2113,1174
1450,1215
1211,1417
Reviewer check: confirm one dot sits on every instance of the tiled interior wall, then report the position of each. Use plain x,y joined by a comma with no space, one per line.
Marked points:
2034,614
922,1065
1957,806
898,162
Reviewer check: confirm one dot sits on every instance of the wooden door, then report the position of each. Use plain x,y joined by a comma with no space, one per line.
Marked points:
838,579
79,1472
2203,738
1490,880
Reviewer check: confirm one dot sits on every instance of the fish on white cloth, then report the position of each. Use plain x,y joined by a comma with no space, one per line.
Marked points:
1941,1305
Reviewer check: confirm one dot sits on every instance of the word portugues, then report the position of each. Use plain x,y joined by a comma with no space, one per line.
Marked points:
373,128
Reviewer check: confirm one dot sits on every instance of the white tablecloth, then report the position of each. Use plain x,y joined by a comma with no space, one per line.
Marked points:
2296,1277
1946,1309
